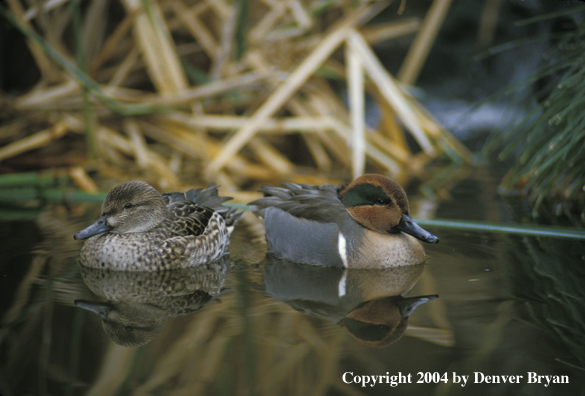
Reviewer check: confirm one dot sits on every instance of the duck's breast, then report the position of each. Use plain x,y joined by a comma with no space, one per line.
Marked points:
133,251
370,249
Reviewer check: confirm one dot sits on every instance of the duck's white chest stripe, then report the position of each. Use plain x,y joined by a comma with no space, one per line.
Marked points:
341,286
342,249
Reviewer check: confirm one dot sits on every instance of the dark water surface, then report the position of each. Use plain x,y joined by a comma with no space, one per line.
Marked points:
508,306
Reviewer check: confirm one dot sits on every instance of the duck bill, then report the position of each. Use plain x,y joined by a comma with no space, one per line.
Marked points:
408,226
408,305
100,226
99,308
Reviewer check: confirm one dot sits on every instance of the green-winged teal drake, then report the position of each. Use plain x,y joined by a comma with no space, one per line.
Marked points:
365,224
141,229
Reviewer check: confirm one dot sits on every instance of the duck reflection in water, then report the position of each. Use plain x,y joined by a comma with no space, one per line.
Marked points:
369,303
139,303
363,251
143,230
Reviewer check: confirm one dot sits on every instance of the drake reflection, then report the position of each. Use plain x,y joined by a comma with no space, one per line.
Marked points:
369,303
139,303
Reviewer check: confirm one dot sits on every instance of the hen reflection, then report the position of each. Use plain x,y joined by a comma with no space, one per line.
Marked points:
369,303
139,303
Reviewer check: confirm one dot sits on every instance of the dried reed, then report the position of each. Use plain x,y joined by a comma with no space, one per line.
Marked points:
202,89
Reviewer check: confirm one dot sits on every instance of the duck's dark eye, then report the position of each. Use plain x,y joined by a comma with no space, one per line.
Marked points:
382,201
128,205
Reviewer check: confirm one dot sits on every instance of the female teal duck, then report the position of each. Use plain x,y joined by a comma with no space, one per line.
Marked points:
141,229
365,224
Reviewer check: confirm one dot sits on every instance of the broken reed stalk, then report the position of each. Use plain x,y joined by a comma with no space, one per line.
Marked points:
356,91
155,44
39,139
421,46
82,63
80,76
291,85
233,86
389,90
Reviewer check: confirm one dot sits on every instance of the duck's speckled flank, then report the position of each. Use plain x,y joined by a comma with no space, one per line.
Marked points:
193,229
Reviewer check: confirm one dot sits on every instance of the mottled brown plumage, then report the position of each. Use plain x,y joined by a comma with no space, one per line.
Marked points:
140,229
